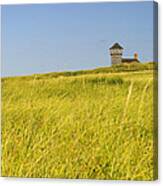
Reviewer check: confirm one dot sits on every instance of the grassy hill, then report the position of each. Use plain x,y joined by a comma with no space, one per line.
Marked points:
84,124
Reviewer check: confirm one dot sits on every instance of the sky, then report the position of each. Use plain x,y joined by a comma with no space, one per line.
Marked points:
43,38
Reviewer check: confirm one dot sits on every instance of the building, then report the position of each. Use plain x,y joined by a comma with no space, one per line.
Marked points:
116,52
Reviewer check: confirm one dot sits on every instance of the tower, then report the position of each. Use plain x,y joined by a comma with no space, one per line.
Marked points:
116,54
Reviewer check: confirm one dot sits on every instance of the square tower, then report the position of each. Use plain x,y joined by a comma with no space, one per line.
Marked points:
116,54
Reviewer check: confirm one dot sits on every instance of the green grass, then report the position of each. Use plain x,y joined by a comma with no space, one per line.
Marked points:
86,124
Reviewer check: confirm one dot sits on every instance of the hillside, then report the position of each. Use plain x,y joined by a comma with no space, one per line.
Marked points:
112,69
84,124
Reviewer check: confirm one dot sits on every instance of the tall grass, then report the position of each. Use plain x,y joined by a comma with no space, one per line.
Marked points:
93,126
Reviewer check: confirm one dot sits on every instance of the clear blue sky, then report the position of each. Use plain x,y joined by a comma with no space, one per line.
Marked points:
60,37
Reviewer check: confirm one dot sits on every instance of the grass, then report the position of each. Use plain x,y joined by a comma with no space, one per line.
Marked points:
86,124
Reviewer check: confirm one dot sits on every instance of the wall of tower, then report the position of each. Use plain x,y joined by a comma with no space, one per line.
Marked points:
116,59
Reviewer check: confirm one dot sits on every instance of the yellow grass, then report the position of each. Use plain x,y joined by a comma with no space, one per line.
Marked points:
86,126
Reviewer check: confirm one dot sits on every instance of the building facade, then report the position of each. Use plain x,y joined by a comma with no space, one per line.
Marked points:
116,52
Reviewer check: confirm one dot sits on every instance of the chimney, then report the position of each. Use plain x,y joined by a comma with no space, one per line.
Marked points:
135,55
